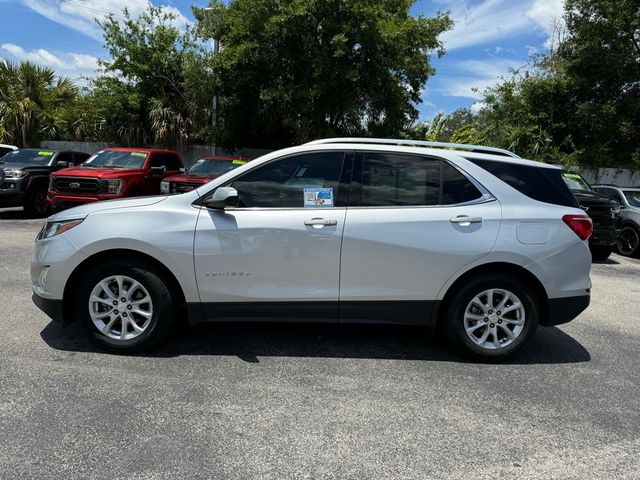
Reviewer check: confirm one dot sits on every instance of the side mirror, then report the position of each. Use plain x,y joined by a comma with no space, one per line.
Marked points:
62,164
157,170
182,170
223,197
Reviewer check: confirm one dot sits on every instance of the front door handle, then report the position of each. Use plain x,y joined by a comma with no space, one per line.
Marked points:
465,221
320,222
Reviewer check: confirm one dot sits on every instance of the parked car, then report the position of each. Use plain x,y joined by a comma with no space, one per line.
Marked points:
604,211
629,200
201,172
341,230
4,149
113,173
24,176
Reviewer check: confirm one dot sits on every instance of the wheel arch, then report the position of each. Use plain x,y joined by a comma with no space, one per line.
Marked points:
101,257
496,267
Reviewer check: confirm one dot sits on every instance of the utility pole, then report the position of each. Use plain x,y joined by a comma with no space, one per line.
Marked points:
214,99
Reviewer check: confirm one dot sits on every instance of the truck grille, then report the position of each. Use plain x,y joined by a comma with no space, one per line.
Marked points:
601,215
184,187
76,185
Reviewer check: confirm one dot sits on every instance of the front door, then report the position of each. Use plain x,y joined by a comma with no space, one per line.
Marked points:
277,255
412,223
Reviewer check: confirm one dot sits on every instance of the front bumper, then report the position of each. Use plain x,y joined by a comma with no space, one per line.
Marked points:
607,236
53,308
59,200
563,310
11,193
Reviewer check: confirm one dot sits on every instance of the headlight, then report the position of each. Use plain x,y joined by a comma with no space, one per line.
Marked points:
51,229
164,187
114,186
14,174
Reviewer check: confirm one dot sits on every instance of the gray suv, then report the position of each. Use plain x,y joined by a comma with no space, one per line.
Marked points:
476,240
629,200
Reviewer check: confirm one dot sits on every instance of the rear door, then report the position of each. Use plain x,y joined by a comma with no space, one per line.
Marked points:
412,222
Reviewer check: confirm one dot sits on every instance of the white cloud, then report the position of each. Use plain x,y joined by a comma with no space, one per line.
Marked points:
492,20
468,78
477,106
75,64
81,15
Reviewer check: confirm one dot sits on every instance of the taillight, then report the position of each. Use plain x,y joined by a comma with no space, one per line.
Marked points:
580,224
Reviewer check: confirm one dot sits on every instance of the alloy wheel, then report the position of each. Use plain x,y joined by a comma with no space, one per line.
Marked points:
120,307
494,319
628,241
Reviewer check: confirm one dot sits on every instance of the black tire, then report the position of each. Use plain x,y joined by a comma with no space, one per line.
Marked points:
457,306
600,252
629,241
35,202
164,310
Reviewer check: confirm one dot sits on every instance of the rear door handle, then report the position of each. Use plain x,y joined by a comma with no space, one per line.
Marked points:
464,220
320,222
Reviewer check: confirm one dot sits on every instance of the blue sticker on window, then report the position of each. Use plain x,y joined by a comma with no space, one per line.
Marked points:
318,197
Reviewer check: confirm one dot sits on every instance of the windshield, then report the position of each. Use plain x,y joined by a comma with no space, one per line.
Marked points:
576,182
206,166
112,159
633,197
34,157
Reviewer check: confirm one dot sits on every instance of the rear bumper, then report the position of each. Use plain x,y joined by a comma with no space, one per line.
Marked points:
53,308
563,310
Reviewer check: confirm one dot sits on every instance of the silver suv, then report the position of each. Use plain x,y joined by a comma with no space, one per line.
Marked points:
629,200
476,240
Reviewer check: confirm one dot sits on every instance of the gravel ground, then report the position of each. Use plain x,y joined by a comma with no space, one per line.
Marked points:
289,401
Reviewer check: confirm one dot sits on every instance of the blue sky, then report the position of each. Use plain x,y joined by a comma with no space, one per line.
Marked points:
489,37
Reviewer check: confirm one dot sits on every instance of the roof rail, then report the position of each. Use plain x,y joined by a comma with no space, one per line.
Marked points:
421,143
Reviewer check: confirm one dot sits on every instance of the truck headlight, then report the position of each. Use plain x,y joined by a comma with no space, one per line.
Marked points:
51,229
164,187
114,186
15,174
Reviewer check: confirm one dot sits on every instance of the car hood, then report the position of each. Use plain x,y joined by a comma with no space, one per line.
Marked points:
96,172
21,166
591,199
87,209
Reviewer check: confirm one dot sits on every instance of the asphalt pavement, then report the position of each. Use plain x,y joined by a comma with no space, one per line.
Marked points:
304,401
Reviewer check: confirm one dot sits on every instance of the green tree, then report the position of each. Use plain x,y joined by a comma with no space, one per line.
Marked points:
295,70
30,100
155,87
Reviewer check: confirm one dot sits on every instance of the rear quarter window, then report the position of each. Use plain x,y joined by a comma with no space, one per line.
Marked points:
539,183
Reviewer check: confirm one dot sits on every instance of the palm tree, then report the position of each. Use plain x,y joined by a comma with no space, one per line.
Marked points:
30,97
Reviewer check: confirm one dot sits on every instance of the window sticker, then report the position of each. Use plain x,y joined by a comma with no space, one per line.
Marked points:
572,175
238,162
318,197
45,154
138,154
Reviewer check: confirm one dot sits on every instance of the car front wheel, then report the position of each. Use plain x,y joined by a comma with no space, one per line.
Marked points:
126,307
492,316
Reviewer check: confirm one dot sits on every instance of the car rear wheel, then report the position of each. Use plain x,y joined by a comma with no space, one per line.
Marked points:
492,316
126,307
629,241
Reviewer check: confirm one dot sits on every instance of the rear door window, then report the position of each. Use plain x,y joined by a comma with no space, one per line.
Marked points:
389,179
538,183
172,162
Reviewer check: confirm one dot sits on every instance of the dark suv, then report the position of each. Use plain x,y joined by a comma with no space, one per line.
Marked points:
604,212
24,176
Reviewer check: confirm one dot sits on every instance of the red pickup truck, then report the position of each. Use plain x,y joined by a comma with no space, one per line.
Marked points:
113,173
203,171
